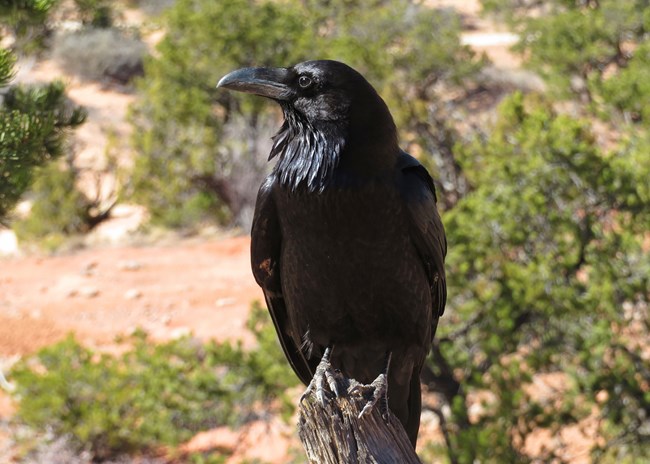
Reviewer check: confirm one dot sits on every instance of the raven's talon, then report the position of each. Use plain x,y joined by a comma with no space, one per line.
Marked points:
317,384
376,392
327,382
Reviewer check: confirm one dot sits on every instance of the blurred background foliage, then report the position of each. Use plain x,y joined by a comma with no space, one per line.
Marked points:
219,141
546,205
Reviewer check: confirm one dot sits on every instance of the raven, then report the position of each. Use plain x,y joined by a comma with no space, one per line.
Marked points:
347,243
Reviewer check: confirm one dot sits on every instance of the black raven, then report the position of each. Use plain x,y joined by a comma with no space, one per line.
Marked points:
347,243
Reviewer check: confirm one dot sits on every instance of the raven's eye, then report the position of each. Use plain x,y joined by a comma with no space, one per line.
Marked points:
304,82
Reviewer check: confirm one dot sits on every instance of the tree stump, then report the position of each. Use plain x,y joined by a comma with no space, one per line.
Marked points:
334,433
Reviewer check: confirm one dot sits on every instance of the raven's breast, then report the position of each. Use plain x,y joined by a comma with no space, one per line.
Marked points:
350,273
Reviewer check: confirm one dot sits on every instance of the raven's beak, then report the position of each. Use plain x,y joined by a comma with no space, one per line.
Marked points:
266,82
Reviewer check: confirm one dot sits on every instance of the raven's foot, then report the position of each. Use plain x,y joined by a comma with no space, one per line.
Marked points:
376,393
327,381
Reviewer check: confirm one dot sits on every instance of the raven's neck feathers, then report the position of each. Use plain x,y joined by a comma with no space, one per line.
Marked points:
308,155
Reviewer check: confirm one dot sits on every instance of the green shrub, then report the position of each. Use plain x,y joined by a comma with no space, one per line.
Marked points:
546,252
629,91
28,21
7,60
33,128
58,207
96,13
153,394
100,54
34,121
594,50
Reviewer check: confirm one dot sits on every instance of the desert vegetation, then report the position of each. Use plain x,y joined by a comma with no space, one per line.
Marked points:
152,394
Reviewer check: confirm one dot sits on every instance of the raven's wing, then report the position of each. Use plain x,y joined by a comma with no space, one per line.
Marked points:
427,231
266,244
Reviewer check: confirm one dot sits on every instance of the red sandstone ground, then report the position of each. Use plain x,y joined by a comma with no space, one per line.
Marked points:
200,286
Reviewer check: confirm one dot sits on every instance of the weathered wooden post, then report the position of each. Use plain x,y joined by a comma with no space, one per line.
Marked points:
335,434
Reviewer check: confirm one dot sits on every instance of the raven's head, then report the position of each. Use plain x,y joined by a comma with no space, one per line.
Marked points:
333,117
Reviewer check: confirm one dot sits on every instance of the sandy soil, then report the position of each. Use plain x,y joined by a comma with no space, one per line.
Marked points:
203,287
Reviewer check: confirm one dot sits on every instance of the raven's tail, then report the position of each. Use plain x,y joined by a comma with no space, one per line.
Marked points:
412,425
